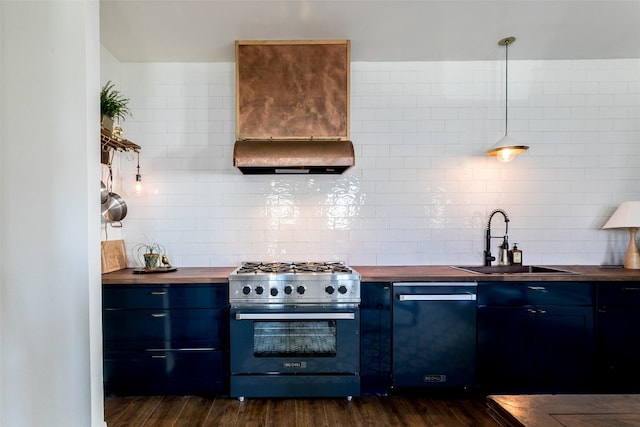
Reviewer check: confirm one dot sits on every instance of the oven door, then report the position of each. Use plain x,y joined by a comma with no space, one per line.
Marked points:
295,340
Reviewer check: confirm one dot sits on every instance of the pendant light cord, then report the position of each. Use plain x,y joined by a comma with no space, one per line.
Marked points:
506,88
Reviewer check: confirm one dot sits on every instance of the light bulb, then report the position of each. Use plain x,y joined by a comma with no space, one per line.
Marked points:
138,186
506,154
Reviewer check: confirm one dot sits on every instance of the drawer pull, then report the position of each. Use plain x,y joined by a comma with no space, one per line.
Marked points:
158,356
630,289
536,288
158,293
158,314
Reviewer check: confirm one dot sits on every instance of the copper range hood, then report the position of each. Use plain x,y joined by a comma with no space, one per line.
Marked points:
293,156
292,107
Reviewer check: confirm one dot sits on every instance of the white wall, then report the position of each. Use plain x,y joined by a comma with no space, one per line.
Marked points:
422,188
50,309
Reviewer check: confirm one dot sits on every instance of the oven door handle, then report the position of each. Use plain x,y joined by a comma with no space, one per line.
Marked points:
295,316
432,297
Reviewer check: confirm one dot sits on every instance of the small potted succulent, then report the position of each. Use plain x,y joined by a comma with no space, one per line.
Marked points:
150,252
112,106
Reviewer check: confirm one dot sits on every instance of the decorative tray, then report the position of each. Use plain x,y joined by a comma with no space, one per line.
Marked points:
167,269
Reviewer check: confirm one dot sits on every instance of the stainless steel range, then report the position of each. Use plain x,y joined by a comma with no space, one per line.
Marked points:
294,283
294,330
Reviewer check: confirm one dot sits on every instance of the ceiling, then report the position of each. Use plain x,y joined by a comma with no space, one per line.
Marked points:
379,30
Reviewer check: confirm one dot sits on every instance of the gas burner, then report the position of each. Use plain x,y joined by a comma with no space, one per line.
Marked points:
293,267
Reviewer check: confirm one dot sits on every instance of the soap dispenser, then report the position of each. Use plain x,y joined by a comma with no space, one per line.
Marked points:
516,255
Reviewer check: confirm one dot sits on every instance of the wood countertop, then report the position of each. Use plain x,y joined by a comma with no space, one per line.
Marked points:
579,273
553,410
181,275
446,273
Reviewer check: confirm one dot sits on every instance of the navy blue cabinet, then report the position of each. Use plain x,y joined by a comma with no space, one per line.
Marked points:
617,336
165,329
375,338
535,336
165,339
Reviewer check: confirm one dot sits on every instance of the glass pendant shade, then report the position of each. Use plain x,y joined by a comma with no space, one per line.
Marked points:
628,216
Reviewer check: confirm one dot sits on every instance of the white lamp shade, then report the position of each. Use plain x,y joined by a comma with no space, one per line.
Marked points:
626,216
506,149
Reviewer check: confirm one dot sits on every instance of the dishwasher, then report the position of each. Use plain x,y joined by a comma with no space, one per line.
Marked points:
434,334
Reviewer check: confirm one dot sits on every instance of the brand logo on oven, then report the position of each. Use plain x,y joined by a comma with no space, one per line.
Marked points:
301,365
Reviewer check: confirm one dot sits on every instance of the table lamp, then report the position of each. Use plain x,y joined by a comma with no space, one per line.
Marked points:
628,216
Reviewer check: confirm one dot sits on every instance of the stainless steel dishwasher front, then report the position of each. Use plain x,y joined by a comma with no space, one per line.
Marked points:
434,334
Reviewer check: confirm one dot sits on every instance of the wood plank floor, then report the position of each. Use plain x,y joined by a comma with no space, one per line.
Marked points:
394,410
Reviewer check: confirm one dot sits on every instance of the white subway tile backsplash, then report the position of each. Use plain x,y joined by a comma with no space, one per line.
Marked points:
600,100
422,188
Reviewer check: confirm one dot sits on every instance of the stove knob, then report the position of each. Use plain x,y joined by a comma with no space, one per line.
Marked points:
259,290
274,292
342,289
288,289
301,289
329,289
246,290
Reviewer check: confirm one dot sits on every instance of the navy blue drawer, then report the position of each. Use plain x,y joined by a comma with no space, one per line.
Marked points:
164,296
619,293
166,329
166,372
535,293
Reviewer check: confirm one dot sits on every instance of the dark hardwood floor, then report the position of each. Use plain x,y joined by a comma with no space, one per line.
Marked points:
394,410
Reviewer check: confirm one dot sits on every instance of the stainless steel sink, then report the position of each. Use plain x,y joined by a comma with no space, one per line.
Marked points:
512,269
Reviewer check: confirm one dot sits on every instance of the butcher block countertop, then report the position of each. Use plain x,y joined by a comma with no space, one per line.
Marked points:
385,274
128,276
555,410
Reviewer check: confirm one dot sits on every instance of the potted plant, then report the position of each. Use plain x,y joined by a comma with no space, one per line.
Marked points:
150,252
112,106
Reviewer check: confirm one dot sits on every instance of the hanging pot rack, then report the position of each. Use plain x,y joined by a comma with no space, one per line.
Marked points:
108,143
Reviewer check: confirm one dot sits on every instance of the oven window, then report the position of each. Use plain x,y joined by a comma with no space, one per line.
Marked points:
294,338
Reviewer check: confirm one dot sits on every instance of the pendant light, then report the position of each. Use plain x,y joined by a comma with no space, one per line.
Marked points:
138,185
507,147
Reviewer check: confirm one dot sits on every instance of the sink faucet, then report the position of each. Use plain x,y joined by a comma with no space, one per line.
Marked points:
487,247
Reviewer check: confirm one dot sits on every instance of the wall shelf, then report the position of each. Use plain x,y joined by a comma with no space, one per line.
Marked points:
108,143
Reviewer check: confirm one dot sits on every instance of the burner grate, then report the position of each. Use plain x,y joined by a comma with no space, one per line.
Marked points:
293,267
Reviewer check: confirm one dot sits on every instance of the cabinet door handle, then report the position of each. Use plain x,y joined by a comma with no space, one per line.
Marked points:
630,289
542,311
531,310
159,314
159,356
536,288
158,293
